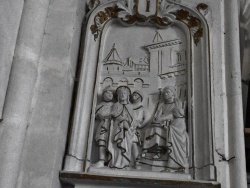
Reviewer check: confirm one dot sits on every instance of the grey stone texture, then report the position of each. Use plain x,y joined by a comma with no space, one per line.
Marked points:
20,90
38,102
46,135
43,52
10,15
234,99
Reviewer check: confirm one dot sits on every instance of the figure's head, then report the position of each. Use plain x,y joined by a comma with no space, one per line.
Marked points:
169,92
123,93
107,94
137,95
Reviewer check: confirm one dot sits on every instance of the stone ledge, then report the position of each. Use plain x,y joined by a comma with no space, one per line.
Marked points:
81,178
135,173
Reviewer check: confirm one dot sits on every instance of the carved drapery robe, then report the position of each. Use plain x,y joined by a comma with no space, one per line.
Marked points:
139,113
140,117
122,137
179,141
166,140
103,114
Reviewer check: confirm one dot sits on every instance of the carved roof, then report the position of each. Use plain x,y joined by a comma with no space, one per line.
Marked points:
157,37
113,57
163,44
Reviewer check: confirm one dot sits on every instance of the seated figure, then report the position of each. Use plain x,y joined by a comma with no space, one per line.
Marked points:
165,143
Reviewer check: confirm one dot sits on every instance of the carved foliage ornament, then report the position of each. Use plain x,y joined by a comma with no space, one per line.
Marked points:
192,23
158,15
93,3
101,18
154,12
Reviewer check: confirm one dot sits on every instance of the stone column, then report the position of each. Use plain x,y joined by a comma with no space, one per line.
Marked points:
235,130
20,90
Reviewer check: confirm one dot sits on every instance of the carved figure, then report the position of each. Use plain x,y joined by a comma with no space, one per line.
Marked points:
140,112
142,117
166,140
178,138
123,133
103,114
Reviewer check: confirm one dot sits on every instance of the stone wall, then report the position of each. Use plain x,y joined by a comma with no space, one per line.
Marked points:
48,126
10,15
34,130
37,107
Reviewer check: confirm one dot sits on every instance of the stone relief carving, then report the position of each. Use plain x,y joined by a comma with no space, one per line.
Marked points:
103,115
139,48
192,22
143,126
202,8
125,138
93,3
121,145
166,140
101,18
158,12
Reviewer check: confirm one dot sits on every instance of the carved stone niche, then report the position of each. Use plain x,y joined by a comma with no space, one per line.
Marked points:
143,104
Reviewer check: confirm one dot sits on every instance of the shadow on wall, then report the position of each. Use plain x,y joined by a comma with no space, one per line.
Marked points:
245,63
65,185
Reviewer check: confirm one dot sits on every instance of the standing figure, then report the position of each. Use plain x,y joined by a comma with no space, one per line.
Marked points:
123,133
179,141
166,140
142,117
141,114
103,115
